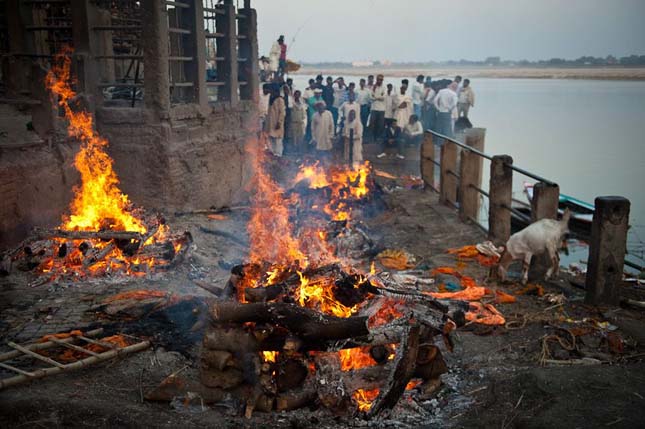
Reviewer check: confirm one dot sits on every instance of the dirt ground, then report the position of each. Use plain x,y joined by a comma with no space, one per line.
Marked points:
495,377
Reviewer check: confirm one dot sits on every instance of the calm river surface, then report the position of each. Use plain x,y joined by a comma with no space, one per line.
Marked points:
586,135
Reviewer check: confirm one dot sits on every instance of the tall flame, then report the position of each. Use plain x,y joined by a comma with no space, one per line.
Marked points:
270,231
98,202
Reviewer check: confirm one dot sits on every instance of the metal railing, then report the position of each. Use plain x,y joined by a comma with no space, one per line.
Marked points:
462,189
457,180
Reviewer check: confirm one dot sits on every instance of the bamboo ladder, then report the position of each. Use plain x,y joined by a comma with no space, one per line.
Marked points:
30,350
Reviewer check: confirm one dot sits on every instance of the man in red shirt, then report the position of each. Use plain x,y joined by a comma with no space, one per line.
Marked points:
282,66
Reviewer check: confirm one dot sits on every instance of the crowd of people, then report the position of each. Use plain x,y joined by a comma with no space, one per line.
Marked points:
330,113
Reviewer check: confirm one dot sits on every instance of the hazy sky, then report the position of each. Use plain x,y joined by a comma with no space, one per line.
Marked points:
422,30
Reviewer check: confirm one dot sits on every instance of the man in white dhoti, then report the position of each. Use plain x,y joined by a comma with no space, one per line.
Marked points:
322,130
353,139
403,103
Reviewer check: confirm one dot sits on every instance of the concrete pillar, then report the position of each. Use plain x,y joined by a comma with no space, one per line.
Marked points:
448,184
85,15
104,46
195,46
248,48
500,196
14,71
544,204
155,44
607,250
470,172
227,48
427,161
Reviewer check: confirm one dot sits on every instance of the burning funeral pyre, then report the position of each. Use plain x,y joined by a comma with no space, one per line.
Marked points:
103,234
305,320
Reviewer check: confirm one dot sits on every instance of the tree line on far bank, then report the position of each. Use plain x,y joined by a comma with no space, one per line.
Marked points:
584,61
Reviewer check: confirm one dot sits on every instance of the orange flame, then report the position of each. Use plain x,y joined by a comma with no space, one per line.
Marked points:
98,203
364,398
356,358
268,356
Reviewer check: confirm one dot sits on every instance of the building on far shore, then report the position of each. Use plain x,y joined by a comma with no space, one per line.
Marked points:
362,63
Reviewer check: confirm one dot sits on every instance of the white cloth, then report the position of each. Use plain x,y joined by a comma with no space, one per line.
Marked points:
415,129
339,93
378,98
402,114
263,104
417,93
307,93
430,94
357,151
322,130
274,57
390,106
346,107
446,100
302,106
363,96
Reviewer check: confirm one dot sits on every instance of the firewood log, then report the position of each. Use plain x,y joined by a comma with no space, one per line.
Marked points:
224,379
404,367
234,340
87,235
217,359
295,399
306,323
290,373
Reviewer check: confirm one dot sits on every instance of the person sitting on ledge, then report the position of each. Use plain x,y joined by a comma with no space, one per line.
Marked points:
393,139
413,131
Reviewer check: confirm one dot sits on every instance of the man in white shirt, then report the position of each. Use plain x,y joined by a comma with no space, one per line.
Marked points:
413,131
322,130
403,104
363,98
390,107
429,111
340,97
377,111
445,102
417,95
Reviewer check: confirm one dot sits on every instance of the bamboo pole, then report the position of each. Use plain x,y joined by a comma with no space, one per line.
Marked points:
46,345
44,372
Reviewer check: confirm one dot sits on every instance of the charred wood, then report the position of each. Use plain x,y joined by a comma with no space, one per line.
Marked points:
306,323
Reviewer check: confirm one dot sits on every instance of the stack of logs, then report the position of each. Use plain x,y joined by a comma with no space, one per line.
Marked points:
281,356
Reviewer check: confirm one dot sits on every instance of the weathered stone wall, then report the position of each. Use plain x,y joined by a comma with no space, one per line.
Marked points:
189,160
35,189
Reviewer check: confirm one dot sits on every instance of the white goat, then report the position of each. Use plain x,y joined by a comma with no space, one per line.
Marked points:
542,236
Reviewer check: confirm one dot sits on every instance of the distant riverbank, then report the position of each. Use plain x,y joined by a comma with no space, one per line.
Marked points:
598,73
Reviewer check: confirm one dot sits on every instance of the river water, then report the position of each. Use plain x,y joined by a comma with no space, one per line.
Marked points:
586,135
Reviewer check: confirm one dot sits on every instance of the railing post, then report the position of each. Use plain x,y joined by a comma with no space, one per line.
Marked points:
195,45
544,204
470,172
501,195
154,35
227,49
248,48
448,184
427,160
607,250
